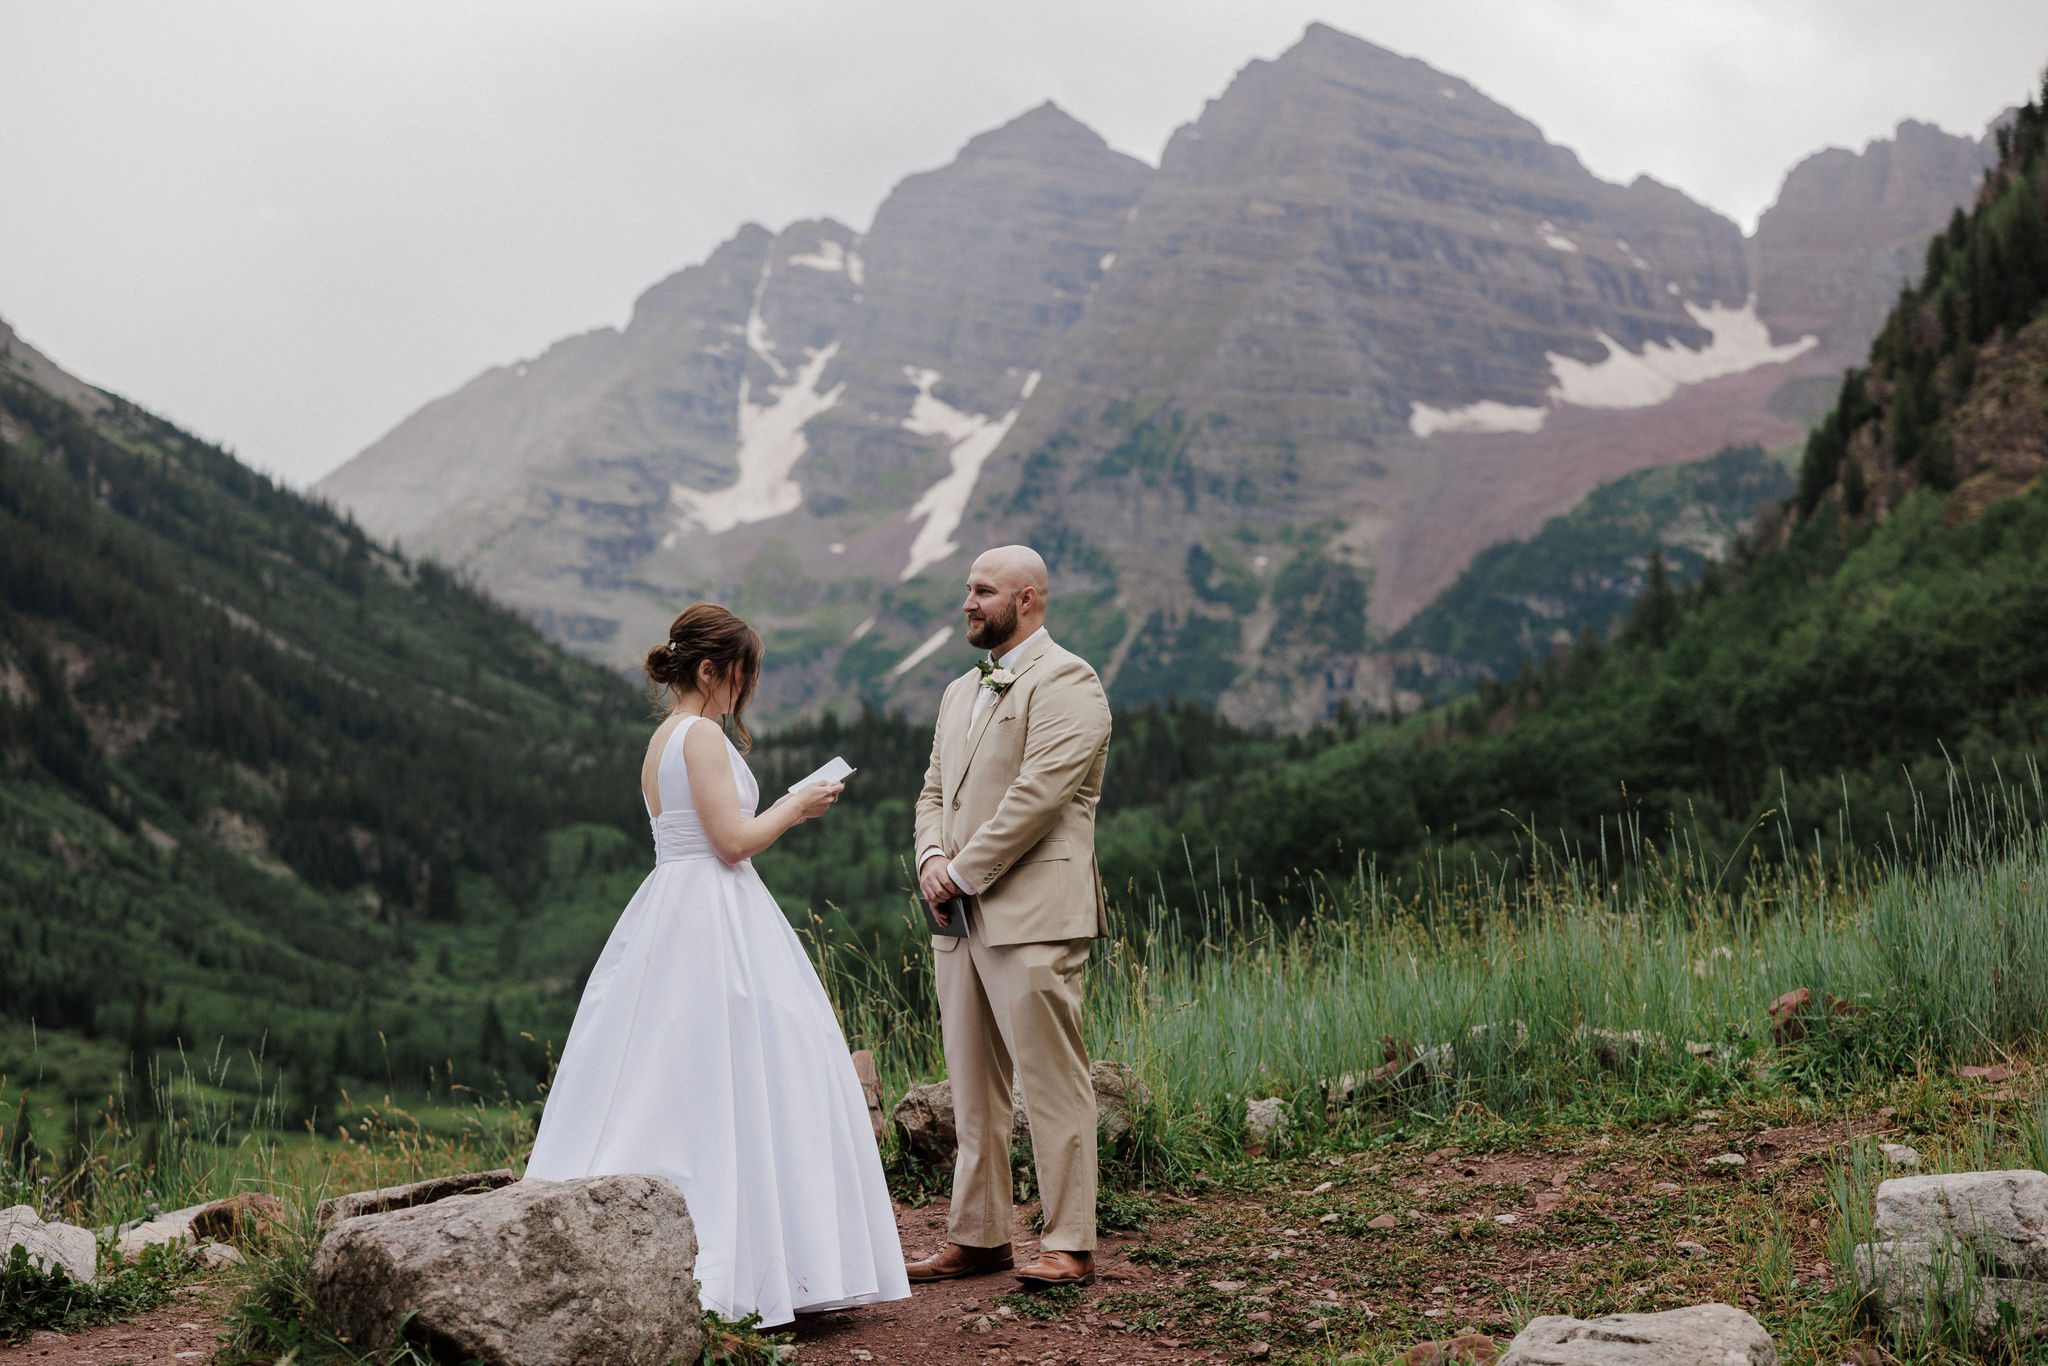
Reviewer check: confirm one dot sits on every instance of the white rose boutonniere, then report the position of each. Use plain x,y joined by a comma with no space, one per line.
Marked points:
996,680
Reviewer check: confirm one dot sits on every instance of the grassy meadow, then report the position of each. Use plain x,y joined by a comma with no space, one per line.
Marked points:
1606,992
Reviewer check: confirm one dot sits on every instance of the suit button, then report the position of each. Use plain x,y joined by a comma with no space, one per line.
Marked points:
956,803
999,867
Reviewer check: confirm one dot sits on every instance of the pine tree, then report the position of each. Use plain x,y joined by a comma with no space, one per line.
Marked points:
1855,490
1656,611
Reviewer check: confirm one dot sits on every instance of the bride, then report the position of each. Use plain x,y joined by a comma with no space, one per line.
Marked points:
704,1049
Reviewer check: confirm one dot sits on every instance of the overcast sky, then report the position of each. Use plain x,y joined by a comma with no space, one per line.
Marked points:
288,223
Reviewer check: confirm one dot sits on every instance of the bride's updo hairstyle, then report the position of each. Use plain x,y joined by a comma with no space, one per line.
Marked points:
707,633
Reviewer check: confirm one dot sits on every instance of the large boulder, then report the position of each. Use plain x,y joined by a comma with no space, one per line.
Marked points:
52,1246
925,1127
596,1270
358,1203
1967,1244
1702,1335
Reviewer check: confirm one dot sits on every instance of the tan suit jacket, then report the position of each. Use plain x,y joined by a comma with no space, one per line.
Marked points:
1010,797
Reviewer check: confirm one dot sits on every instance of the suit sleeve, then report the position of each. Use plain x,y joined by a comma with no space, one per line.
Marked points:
931,798
1064,731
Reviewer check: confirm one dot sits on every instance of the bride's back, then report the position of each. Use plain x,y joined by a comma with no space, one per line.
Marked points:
671,805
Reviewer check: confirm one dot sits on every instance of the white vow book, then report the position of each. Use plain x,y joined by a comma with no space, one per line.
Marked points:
834,770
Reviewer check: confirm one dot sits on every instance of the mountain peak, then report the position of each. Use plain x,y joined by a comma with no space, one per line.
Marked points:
1033,133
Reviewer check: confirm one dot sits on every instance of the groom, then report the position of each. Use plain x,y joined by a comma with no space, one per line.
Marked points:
1007,816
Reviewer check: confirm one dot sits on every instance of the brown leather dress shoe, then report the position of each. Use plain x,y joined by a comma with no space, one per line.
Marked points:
955,1260
1058,1268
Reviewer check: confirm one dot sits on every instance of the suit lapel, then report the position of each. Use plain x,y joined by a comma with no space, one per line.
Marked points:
995,704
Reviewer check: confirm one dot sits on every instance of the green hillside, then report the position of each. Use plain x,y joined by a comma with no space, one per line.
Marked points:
1582,572
264,781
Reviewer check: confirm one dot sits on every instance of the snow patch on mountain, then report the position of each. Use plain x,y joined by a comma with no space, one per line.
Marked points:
771,442
922,652
1622,379
973,438
1739,342
1547,230
830,257
757,331
1487,415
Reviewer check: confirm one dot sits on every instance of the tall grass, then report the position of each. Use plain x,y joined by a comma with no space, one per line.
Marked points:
1628,974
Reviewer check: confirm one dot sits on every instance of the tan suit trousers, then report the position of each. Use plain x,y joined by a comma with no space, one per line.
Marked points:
1014,1011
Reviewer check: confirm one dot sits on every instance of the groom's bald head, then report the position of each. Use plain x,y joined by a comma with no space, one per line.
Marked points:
1014,567
1007,589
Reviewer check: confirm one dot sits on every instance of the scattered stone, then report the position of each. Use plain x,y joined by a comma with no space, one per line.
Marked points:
1506,1219
1226,1287
1329,1219
214,1255
1698,1049
51,1246
1259,1351
1728,1162
924,1124
240,1218
1266,1119
1382,1221
1324,1189
1466,1349
138,1236
1996,1072
1702,1335
1970,1242
1692,1249
359,1203
459,1273
1667,1188
1900,1156
870,1088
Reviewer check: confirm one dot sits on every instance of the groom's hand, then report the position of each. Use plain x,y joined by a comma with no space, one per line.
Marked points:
935,882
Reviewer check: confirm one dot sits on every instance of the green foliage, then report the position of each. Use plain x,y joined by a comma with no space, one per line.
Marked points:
1985,277
1194,657
1585,569
261,776
32,1300
1320,603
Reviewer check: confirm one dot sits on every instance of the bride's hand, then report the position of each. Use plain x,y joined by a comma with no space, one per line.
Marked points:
812,801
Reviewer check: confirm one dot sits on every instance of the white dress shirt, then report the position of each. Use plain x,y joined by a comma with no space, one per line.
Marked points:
984,698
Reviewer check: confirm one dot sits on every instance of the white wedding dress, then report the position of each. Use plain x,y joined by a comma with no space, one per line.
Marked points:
705,1051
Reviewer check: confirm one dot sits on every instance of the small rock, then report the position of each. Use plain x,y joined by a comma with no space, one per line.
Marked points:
252,1214
1667,1188
1699,1050
1259,1351
1324,1189
1996,1073
1266,1119
1728,1161
215,1255
1435,1313
1692,1249
1382,1221
1703,1335
1899,1155
54,1245
1786,1026
1259,1316
862,1354
1505,1219
1226,1287
1329,1219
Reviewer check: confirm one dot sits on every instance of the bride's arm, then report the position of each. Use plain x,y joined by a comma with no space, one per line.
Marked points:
733,836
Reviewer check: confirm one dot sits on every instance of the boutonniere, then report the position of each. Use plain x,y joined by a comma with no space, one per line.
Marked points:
996,680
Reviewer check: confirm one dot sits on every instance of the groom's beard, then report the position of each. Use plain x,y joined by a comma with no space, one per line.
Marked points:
993,627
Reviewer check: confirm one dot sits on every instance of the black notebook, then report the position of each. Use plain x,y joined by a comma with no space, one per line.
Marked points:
955,923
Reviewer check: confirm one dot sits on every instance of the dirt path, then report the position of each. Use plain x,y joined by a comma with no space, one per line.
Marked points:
179,1333
1316,1258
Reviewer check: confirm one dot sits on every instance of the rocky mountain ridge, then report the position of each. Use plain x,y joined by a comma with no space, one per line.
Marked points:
1259,404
